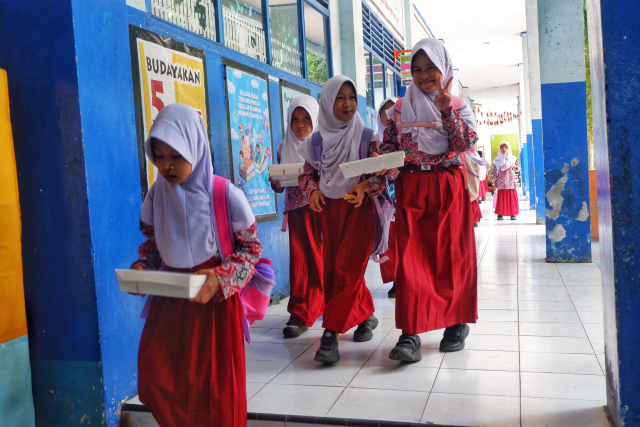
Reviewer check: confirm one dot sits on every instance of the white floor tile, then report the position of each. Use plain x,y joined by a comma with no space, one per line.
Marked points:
294,400
546,306
491,342
395,377
488,304
277,352
498,315
487,327
552,329
390,405
482,360
563,386
270,321
263,371
476,410
558,363
549,316
537,412
431,358
555,345
253,388
317,374
492,383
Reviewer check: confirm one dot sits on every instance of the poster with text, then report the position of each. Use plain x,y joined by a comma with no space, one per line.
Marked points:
165,71
287,95
251,145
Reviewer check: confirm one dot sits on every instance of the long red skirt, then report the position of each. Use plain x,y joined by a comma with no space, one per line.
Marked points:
191,363
507,204
436,282
347,234
484,188
306,302
388,268
476,213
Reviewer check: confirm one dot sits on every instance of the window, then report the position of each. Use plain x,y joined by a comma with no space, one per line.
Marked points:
390,80
379,38
378,82
243,27
367,68
195,15
285,33
316,39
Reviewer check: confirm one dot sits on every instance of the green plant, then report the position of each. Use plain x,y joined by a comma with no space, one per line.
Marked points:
317,67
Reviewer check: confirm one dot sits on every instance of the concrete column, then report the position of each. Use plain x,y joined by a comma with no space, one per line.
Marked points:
564,120
524,148
531,182
348,42
614,40
533,56
455,85
408,31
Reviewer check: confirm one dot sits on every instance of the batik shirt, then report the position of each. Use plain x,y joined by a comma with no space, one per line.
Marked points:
233,273
505,180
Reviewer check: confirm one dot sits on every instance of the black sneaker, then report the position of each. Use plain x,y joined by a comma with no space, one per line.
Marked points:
475,225
365,329
328,351
454,337
513,218
294,329
500,218
484,199
392,291
407,349
479,201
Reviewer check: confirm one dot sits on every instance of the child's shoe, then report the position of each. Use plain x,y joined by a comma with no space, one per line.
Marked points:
328,351
407,349
500,218
294,329
365,329
513,218
454,337
392,291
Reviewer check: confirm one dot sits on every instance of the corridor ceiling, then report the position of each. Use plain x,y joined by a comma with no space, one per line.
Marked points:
483,38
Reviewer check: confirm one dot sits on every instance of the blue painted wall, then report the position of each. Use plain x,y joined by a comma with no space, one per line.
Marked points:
614,40
538,166
39,56
566,172
531,180
525,168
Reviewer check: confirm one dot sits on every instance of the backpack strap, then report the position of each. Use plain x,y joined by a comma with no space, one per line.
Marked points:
457,103
365,142
316,143
220,215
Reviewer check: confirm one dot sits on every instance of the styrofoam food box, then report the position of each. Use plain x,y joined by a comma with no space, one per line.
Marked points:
286,173
160,283
372,164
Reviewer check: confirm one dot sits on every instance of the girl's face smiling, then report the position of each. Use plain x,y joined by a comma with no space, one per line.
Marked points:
171,165
504,149
425,74
346,104
301,123
383,116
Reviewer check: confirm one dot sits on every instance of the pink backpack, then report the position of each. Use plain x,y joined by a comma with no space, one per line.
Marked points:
456,104
256,295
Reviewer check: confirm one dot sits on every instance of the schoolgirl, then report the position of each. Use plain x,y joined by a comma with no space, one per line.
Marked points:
347,226
436,281
473,163
306,301
191,362
389,267
504,171
484,182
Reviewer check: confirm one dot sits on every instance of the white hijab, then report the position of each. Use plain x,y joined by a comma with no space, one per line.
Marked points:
381,126
291,142
340,142
504,161
418,106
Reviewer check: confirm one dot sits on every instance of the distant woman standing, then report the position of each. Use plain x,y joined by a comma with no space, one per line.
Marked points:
504,171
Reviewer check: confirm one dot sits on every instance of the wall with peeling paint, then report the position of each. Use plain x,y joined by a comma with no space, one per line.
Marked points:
564,123
614,41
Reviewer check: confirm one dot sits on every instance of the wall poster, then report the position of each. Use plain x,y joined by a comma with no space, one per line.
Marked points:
251,147
164,71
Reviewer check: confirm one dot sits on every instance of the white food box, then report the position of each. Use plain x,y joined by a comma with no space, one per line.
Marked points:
160,283
286,173
373,164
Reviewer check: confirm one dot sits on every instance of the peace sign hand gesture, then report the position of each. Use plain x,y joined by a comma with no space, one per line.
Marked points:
444,99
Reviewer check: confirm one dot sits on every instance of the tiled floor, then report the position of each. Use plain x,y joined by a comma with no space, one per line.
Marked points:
533,359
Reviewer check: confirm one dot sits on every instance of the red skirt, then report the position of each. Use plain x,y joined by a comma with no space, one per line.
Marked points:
347,234
484,188
507,204
389,267
476,213
306,302
191,363
436,281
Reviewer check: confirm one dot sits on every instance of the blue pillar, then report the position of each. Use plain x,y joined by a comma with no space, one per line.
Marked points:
522,130
614,40
564,120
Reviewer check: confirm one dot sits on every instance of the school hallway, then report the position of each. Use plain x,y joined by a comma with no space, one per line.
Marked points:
535,357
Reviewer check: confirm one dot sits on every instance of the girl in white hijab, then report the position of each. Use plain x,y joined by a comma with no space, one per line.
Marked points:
306,300
437,274
347,226
505,166
206,332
